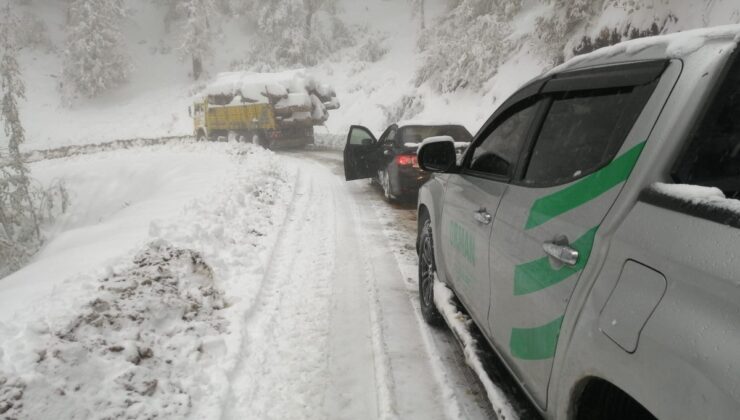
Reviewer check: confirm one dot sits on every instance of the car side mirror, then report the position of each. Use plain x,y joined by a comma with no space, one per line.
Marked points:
437,155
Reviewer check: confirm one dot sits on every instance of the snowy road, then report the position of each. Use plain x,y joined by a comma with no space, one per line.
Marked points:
336,323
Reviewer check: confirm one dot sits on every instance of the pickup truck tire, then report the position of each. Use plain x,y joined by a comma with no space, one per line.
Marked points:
427,270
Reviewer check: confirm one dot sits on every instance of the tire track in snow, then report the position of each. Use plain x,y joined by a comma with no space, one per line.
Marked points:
331,334
284,367
459,388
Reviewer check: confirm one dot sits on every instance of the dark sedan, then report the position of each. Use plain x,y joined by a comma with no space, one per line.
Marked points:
391,159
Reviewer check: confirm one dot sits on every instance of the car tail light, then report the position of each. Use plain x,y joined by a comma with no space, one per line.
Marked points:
407,160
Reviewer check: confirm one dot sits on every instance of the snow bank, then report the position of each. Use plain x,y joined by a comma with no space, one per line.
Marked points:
154,332
460,324
134,350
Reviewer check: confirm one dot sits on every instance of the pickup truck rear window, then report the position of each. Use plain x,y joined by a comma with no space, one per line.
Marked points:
713,156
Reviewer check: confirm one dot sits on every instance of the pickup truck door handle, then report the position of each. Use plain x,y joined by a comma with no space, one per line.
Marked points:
562,253
482,216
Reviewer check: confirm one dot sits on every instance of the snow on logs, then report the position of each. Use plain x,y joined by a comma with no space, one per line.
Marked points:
296,96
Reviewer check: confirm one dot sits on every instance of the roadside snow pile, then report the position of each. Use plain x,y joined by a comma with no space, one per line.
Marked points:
460,324
296,95
134,351
157,335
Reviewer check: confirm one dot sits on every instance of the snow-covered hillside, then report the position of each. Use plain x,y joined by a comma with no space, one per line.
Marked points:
376,77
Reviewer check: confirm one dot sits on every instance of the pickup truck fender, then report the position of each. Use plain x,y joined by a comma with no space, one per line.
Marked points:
684,363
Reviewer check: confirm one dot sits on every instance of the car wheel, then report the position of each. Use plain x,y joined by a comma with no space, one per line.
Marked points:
385,182
427,270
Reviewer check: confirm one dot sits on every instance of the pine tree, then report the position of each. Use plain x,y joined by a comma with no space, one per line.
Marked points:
418,10
556,29
283,30
19,227
198,32
294,32
94,58
454,58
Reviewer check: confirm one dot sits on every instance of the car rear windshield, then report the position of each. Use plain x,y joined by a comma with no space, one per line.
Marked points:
713,156
416,134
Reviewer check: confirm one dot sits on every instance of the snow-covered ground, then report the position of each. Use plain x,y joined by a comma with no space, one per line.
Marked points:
224,281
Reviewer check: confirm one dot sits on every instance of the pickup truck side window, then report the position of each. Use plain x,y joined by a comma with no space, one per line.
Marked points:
582,132
498,153
713,156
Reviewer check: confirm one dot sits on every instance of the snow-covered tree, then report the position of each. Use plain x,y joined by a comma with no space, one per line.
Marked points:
554,30
19,228
466,46
94,58
293,33
198,32
418,10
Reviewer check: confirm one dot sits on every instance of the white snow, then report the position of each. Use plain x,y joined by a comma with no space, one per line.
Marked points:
696,194
293,86
676,45
295,91
86,331
245,293
223,281
460,324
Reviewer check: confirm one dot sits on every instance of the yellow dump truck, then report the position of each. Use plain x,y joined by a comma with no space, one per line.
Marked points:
273,110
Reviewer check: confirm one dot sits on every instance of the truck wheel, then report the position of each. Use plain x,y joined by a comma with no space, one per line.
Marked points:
427,270
201,136
257,140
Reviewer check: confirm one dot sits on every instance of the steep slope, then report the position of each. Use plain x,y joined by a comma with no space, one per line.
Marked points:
375,78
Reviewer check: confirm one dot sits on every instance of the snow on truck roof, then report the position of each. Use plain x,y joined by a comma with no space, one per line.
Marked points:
258,87
675,45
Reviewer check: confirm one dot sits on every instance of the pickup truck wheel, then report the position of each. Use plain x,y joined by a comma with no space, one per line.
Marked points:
427,270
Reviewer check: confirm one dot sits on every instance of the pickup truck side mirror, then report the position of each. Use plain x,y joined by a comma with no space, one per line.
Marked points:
437,154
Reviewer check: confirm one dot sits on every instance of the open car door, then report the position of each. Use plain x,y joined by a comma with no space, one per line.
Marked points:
360,154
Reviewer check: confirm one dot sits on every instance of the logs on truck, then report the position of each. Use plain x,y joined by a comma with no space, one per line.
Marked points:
270,109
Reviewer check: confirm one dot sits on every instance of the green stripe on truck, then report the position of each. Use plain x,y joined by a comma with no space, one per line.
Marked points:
585,190
535,343
539,274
